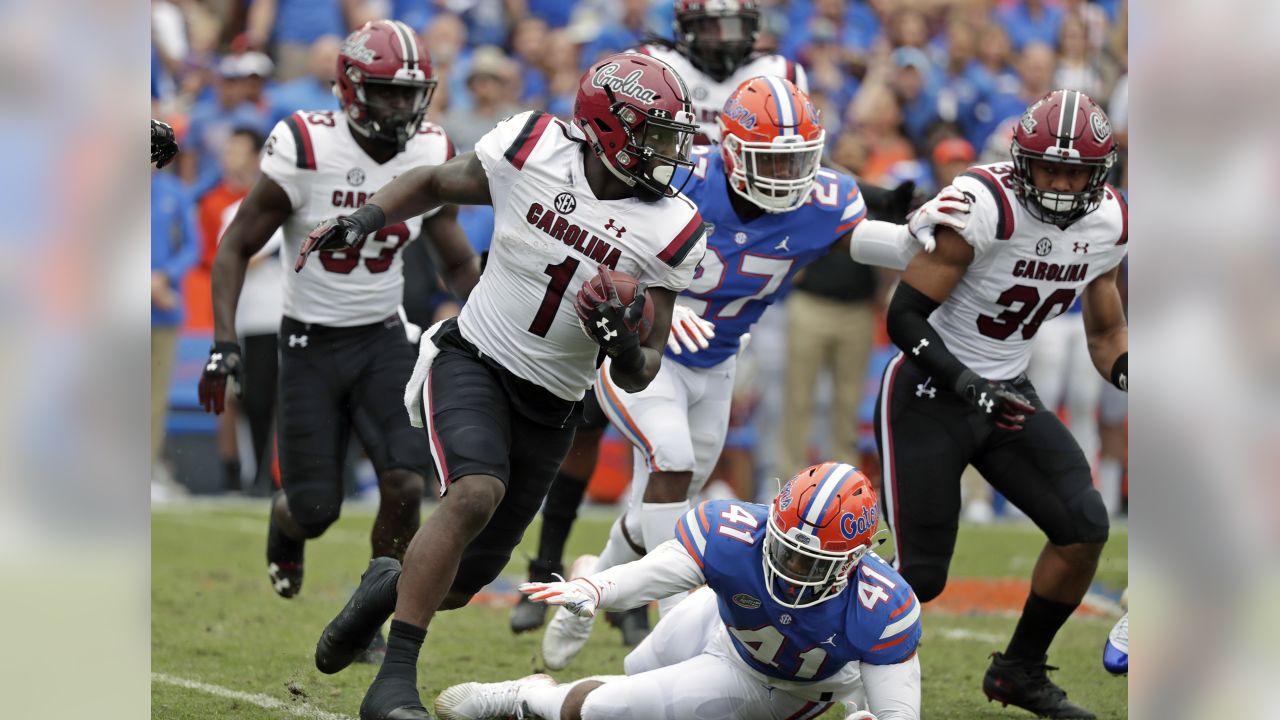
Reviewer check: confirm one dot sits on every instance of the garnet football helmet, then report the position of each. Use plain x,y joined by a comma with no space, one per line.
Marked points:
771,142
636,114
1065,126
716,35
820,526
385,81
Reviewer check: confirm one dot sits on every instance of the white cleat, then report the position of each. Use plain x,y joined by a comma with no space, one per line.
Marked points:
479,701
567,633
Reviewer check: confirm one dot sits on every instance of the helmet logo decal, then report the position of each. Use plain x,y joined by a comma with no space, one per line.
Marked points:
784,497
852,526
355,47
629,86
1028,123
735,111
1100,126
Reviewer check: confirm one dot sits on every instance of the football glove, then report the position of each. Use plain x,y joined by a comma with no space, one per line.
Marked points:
163,145
995,400
949,207
332,234
689,330
224,364
615,327
578,596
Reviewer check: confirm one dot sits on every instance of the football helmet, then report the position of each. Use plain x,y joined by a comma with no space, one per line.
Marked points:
636,115
716,35
385,81
820,525
771,142
1065,126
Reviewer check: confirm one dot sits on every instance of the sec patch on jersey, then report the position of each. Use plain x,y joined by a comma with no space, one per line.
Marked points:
626,287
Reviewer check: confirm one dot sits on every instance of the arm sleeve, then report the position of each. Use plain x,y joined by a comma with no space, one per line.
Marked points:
893,691
280,160
665,571
875,242
909,328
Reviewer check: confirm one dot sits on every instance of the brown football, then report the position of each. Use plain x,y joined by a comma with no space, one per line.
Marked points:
626,286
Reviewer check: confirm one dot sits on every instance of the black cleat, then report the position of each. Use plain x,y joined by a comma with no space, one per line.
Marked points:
284,556
529,615
376,652
392,699
633,624
1027,685
354,630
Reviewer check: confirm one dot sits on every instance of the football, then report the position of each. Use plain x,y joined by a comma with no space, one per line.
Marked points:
626,286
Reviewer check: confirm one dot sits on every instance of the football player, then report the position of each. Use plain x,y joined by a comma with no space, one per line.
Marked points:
501,385
1042,229
344,355
713,53
772,210
797,614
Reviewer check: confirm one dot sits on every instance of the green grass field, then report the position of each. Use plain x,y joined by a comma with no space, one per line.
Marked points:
224,646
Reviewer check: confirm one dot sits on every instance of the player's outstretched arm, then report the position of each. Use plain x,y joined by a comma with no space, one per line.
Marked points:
893,691
1107,329
460,181
928,282
452,252
667,571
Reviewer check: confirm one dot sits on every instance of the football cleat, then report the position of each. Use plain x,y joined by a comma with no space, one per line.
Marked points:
352,634
392,699
567,633
1115,653
286,578
1027,685
477,701
284,555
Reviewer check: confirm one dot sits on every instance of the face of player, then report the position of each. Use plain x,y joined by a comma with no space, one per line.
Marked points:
395,106
1059,177
671,147
721,43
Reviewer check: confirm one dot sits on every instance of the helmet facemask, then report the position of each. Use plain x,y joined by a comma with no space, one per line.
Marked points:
1061,208
657,145
798,572
390,109
776,176
718,44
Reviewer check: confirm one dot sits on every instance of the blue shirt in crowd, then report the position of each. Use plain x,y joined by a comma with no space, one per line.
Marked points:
174,245
1024,29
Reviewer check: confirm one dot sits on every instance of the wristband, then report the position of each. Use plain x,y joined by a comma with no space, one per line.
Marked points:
225,347
368,218
1120,372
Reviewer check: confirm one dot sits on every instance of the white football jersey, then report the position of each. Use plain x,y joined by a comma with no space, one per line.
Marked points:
550,236
1023,273
314,157
710,96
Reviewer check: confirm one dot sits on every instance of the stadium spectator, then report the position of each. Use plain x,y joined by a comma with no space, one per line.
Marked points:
491,81
446,39
174,251
1036,67
1078,66
958,91
1094,18
875,115
825,60
213,120
992,75
913,86
563,54
908,28
627,31
529,49
289,27
1030,21
313,91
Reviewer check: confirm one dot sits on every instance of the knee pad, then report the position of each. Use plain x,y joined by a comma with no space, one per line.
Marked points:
313,510
926,580
1090,522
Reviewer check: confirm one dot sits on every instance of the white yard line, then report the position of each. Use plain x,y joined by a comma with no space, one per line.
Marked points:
962,634
298,709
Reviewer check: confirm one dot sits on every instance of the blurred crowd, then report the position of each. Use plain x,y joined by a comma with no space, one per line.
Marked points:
908,90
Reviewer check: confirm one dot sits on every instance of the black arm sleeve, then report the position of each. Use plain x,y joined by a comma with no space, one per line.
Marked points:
909,328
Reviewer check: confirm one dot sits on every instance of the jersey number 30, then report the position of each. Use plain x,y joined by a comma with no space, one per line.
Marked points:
1021,300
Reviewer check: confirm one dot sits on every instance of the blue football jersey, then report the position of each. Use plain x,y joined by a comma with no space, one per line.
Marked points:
749,264
876,619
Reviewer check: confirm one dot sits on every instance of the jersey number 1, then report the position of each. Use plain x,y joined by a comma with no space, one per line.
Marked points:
560,276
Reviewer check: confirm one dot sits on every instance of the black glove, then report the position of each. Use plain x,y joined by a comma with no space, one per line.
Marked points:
224,362
996,400
163,145
615,327
341,233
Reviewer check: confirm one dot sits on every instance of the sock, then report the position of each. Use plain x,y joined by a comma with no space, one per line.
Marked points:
658,522
617,550
1109,475
558,514
545,701
403,643
1041,619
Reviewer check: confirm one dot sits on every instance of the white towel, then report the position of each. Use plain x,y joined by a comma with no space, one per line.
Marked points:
418,381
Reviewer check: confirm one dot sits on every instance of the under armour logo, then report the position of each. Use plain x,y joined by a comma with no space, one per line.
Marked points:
924,343
1081,248
983,402
830,641
297,341
1124,382
617,229
925,390
783,245
609,334
216,358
